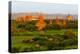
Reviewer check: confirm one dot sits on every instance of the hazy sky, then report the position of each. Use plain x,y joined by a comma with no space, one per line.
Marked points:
19,6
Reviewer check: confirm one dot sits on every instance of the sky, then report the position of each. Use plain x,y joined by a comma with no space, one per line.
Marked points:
50,8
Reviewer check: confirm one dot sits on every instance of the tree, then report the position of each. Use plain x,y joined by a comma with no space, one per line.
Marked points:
20,20
50,20
69,17
40,23
57,20
64,23
58,23
69,34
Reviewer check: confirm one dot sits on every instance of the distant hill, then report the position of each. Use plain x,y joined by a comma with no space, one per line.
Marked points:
15,15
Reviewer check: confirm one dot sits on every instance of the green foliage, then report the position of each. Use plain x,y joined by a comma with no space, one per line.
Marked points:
28,41
15,50
67,42
27,49
69,34
53,37
72,24
30,26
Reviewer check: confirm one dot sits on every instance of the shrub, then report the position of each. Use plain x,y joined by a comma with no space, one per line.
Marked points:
67,42
75,41
37,45
52,42
38,38
69,34
27,49
42,33
29,33
73,24
42,42
15,50
27,41
50,47
59,26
